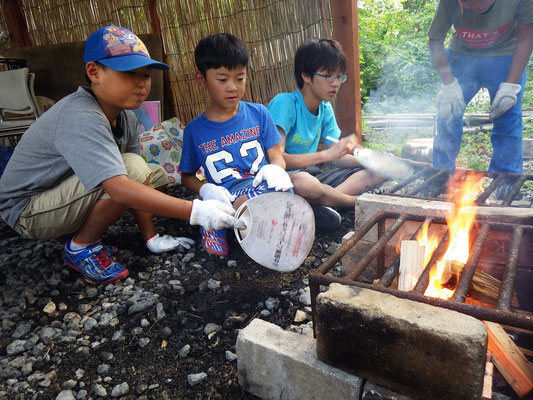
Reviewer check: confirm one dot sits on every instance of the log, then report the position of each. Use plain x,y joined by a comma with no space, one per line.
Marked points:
509,360
411,264
445,269
487,381
484,287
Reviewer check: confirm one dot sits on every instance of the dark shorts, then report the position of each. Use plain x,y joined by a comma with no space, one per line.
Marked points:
336,177
245,187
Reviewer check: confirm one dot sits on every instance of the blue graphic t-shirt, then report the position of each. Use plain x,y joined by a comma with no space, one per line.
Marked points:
303,130
229,150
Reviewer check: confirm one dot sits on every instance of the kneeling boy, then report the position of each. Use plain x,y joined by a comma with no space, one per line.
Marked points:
77,168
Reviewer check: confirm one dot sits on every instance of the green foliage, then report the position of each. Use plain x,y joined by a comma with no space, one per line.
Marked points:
395,62
476,151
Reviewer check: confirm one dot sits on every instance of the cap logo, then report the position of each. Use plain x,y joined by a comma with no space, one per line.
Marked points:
121,42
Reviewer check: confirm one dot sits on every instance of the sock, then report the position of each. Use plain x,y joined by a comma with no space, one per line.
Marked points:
72,245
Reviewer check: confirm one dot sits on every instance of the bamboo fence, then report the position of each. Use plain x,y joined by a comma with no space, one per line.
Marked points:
271,30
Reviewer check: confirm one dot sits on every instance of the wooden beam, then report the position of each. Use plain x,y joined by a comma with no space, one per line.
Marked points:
345,31
154,19
509,360
155,23
16,23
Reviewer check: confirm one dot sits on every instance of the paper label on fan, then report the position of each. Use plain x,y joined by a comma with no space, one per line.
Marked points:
280,230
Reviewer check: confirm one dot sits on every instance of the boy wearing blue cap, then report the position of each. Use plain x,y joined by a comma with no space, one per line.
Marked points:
78,169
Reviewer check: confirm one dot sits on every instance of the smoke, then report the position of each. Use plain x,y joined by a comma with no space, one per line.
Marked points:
404,87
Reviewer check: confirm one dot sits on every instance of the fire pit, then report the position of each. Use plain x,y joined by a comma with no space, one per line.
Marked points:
501,245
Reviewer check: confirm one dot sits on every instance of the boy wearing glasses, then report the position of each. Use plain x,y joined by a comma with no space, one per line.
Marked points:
303,118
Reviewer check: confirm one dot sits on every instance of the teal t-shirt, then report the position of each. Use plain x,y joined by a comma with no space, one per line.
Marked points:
303,130
492,33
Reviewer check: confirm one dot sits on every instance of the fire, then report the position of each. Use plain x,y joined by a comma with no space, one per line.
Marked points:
430,243
459,225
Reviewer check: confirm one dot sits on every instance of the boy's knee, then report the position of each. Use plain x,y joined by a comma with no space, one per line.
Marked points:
140,171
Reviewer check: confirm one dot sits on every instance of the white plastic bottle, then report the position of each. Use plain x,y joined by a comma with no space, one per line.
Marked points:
383,164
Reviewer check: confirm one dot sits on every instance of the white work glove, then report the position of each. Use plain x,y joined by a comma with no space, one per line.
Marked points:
214,215
505,98
210,191
160,244
450,101
275,176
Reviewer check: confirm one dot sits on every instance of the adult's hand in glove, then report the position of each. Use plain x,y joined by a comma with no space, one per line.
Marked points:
450,101
275,176
210,191
505,99
160,244
214,215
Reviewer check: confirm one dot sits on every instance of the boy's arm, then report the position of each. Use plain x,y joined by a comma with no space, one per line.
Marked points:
299,161
210,214
275,155
191,182
208,191
347,160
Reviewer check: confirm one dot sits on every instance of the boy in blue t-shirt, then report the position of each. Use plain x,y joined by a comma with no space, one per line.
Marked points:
235,142
304,117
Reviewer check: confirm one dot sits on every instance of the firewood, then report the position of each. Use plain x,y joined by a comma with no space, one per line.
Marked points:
411,264
445,269
509,360
487,381
485,287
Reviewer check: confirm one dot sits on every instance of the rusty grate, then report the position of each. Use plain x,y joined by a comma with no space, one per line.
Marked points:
431,184
519,246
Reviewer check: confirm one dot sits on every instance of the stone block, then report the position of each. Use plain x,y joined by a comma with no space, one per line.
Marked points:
420,350
280,365
371,391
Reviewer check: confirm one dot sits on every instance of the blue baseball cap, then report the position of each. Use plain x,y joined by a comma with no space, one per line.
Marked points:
119,49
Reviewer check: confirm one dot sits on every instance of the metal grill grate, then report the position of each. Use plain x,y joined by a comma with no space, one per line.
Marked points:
520,242
500,189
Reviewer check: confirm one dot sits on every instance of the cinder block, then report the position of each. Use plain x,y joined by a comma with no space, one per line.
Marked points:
423,351
281,365
371,391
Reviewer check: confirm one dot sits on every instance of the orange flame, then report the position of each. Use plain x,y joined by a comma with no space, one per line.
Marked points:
430,243
459,225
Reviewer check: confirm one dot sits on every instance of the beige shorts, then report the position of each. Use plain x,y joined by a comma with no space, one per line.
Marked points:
64,208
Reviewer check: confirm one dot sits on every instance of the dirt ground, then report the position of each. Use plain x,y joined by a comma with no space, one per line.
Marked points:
156,370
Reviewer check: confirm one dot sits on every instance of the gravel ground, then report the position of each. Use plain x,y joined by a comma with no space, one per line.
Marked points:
166,332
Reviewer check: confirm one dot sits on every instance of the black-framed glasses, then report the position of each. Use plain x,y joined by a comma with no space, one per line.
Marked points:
332,78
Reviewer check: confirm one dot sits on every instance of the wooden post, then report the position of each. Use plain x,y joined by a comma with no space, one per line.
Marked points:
155,23
345,31
16,23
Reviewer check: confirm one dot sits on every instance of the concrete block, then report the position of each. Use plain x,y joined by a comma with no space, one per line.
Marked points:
367,205
281,365
420,350
371,391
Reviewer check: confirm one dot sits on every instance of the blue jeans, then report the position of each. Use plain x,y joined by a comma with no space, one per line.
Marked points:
473,73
